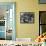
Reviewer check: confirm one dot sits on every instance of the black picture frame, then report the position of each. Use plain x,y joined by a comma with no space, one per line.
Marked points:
42,1
27,17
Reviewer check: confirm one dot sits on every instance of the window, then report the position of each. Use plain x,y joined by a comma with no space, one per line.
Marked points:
42,22
7,21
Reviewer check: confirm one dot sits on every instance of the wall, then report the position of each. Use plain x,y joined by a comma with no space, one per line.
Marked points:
27,30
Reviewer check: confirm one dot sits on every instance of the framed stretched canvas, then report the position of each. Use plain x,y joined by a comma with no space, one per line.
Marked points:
27,17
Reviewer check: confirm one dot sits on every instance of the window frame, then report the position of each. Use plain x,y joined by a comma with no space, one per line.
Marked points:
39,23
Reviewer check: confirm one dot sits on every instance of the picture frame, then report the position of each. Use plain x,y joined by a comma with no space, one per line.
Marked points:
42,1
27,17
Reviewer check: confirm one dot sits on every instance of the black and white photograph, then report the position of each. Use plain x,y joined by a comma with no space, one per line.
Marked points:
27,17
